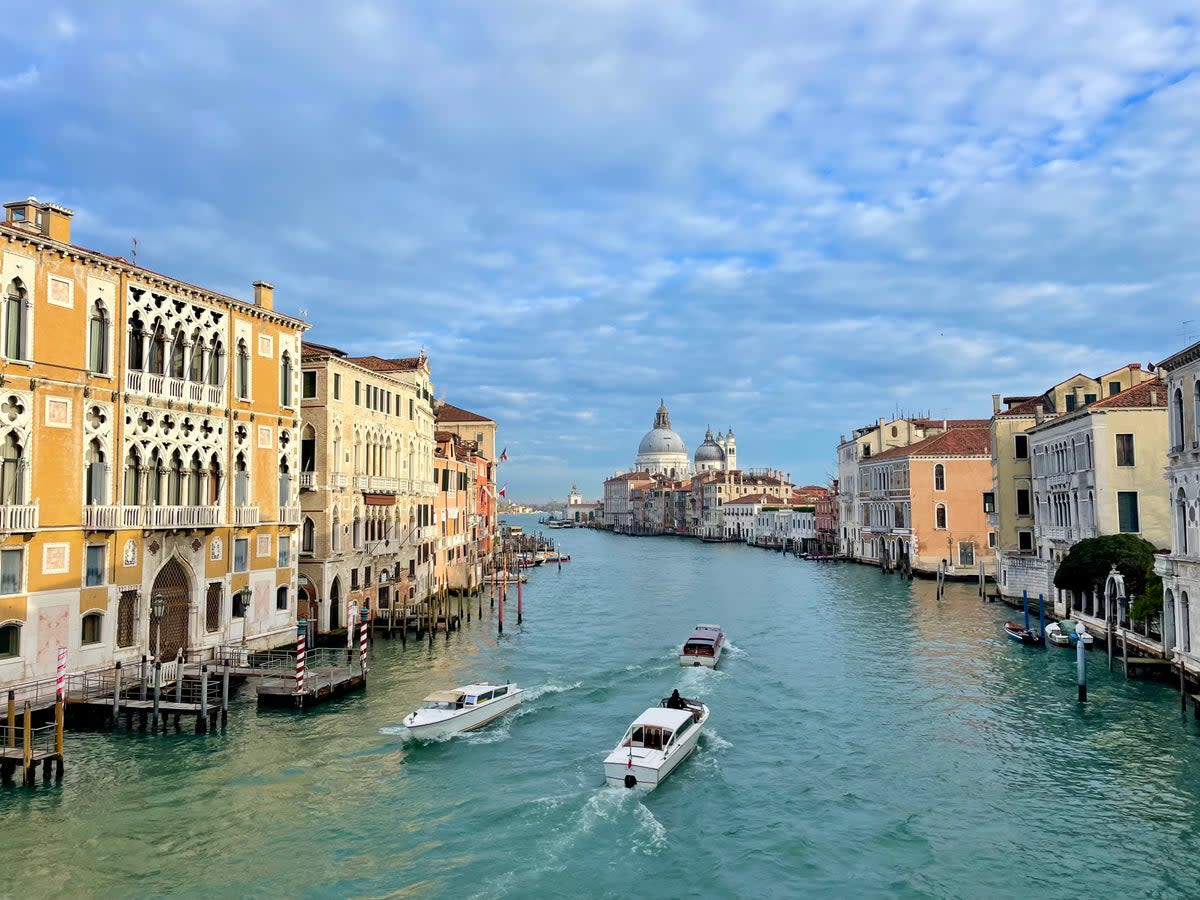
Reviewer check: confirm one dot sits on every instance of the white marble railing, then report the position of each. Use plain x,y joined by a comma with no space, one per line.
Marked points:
308,481
361,482
382,484
111,518
102,518
19,518
340,481
289,515
245,516
174,388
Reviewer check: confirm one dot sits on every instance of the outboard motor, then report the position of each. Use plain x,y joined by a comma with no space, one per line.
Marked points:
631,780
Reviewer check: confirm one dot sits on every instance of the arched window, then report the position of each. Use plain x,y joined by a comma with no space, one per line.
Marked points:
175,480
285,482
241,481
195,476
335,533
95,482
178,352
91,628
154,480
199,352
939,477
242,378
1195,415
1185,623
356,531
133,474
98,328
939,515
281,597
12,492
158,352
15,320
285,379
1177,420
216,365
214,481
308,536
1181,527
308,449
137,343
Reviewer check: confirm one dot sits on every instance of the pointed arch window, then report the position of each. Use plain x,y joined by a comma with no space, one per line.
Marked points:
242,377
216,364
133,473
1195,416
241,481
285,379
1177,419
15,320
285,482
308,449
356,531
335,533
195,476
175,480
214,480
178,352
308,536
137,343
158,352
154,480
199,354
1181,524
98,332
12,491
95,482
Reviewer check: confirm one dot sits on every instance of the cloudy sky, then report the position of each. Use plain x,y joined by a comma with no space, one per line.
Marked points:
787,218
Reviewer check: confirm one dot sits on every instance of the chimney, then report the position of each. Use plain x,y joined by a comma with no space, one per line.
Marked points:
264,295
1038,415
1153,397
49,219
995,404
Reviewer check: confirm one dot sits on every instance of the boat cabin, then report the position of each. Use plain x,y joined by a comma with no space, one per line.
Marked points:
703,641
443,700
657,729
482,693
471,695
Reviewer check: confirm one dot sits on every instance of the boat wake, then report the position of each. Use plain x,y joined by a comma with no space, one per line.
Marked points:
535,693
732,649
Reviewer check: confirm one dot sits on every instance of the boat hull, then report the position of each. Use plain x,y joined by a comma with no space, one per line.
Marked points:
707,662
468,720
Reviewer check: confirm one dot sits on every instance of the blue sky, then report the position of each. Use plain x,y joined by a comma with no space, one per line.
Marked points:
787,218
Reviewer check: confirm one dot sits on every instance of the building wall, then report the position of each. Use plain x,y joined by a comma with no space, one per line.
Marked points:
967,478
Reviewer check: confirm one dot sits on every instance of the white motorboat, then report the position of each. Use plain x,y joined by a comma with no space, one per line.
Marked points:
466,708
1064,634
704,647
657,741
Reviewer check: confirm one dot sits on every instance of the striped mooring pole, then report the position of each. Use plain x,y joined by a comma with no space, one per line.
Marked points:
60,674
362,647
300,665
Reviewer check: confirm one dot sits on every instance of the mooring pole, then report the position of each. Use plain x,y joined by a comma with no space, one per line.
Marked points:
116,711
12,715
518,597
202,719
1081,661
225,694
157,689
179,677
1041,617
143,675
27,744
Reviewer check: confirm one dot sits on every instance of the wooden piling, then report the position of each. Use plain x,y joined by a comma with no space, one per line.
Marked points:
519,592
12,719
202,716
225,695
144,675
179,676
27,745
157,690
116,707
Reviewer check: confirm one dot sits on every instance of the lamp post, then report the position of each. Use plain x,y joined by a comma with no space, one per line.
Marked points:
158,608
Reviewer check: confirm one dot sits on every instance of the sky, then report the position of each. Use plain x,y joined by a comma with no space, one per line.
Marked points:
785,218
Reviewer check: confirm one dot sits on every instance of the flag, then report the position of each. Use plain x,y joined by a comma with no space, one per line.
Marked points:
501,493
504,455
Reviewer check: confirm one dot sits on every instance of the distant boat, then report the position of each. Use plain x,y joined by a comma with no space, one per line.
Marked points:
498,578
1063,634
466,708
703,647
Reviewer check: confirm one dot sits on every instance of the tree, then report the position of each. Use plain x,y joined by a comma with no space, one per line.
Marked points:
1088,563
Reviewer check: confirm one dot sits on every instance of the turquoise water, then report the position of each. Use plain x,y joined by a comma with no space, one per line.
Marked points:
866,740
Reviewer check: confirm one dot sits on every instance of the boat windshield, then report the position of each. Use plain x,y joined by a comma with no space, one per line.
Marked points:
651,737
440,704
698,648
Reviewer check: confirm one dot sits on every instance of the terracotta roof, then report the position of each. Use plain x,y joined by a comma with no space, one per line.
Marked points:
379,364
313,350
955,442
631,476
448,412
751,499
441,436
1027,408
1148,394
951,423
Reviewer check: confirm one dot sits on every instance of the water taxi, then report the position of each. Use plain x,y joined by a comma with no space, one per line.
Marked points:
704,647
466,708
657,741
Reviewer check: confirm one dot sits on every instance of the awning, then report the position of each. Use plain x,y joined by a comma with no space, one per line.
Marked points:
379,499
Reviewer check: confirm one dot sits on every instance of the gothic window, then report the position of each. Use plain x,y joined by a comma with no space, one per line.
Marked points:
175,480
242,380
98,330
199,352
1181,529
11,489
1177,418
285,482
285,380
177,355
216,364
335,533
308,449
133,464
214,480
241,481
158,352
939,477
308,536
137,349
194,480
356,531
15,320
95,482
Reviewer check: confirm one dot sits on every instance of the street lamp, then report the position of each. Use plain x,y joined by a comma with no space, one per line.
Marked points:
158,608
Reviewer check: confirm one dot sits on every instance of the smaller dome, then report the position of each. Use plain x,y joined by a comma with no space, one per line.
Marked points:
710,450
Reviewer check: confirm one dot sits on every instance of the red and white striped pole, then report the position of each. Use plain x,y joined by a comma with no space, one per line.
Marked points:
362,647
60,674
300,665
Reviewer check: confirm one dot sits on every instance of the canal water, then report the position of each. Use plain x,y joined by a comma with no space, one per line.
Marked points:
866,740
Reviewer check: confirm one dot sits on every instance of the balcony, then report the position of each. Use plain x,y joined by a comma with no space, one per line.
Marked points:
289,515
405,485
339,481
19,518
245,516
112,518
380,484
308,481
156,385
361,482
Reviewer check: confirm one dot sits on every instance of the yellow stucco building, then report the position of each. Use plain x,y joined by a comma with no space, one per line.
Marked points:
149,454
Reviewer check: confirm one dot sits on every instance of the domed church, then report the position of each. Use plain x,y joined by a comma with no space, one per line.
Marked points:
662,451
717,454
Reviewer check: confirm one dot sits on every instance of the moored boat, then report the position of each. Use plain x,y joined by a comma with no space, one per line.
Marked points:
1022,635
465,708
1064,634
655,744
703,647
498,578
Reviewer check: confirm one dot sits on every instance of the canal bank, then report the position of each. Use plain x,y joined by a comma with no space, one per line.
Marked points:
867,739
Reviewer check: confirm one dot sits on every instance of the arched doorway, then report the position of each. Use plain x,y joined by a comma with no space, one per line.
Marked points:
335,603
173,594
307,607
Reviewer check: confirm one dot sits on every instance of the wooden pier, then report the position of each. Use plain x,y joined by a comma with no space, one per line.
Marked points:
320,686
26,747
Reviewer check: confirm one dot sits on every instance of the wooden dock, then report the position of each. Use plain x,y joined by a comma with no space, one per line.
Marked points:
320,686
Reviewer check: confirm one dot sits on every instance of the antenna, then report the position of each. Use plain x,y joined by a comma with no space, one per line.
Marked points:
134,242
1187,328
304,312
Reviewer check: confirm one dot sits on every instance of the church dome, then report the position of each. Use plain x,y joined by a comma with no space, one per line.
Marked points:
662,451
662,440
709,451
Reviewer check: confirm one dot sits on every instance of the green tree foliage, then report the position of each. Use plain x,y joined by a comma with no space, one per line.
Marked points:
1087,565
